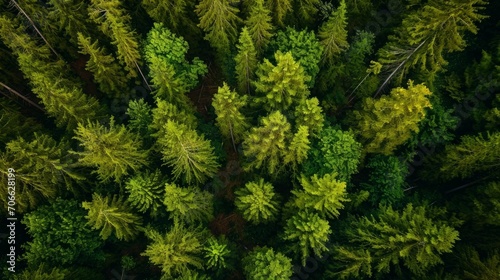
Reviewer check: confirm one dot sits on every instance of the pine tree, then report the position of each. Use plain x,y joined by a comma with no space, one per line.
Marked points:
265,145
280,9
188,153
41,167
415,237
146,191
63,14
172,13
113,150
473,154
257,201
112,215
259,25
486,205
309,113
298,148
107,73
350,262
176,252
472,266
389,121
42,273
218,19
265,263
246,61
166,111
281,85
171,73
309,233
115,23
14,124
231,122
307,10
333,33
141,117
189,204
326,195
217,253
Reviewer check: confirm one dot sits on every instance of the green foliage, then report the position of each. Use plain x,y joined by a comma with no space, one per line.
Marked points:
333,33
265,145
326,195
173,13
279,9
190,275
476,268
309,113
42,167
486,204
246,61
231,122
265,264
170,71
146,191
307,10
305,48
353,263
112,215
107,73
257,201
13,124
309,232
62,14
388,122
259,25
41,273
188,153
218,19
387,179
473,154
140,116
336,151
60,236
298,148
217,253
176,252
114,22
189,204
414,237
281,85
113,150
166,111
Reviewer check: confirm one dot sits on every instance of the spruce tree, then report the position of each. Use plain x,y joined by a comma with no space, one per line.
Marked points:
113,150
146,191
324,194
188,153
188,205
307,10
64,15
166,111
265,263
141,117
218,253
231,122
280,9
389,121
111,215
259,25
42,273
177,252
257,201
333,33
310,114
309,233
265,146
298,148
172,13
281,85
246,62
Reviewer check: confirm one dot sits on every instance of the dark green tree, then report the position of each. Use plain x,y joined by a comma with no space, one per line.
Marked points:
259,25
279,9
172,13
333,33
140,114
218,254
246,61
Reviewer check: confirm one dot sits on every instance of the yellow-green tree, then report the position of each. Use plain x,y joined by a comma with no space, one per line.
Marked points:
188,205
310,114
231,122
257,201
246,61
298,147
333,33
259,25
389,121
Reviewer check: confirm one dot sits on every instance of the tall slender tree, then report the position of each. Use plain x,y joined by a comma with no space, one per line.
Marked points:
280,9
298,148
172,13
333,33
310,114
146,191
246,61
259,25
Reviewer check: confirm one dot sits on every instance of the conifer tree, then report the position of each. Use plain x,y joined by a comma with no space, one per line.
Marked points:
265,145
188,153
389,121
166,111
280,9
472,154
326,195
42,273
257,201
141,117
473,266
246,61
265,263
259,25
172,13
333,33
113,150
350,262
231,122
218,19
217,253
309,113
115,23
281,85
298,148
107,73
41,167
308,232
112,215
14,124
146,191
171,73
176,252
414,237
189,204
63,14
307,10
486,205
